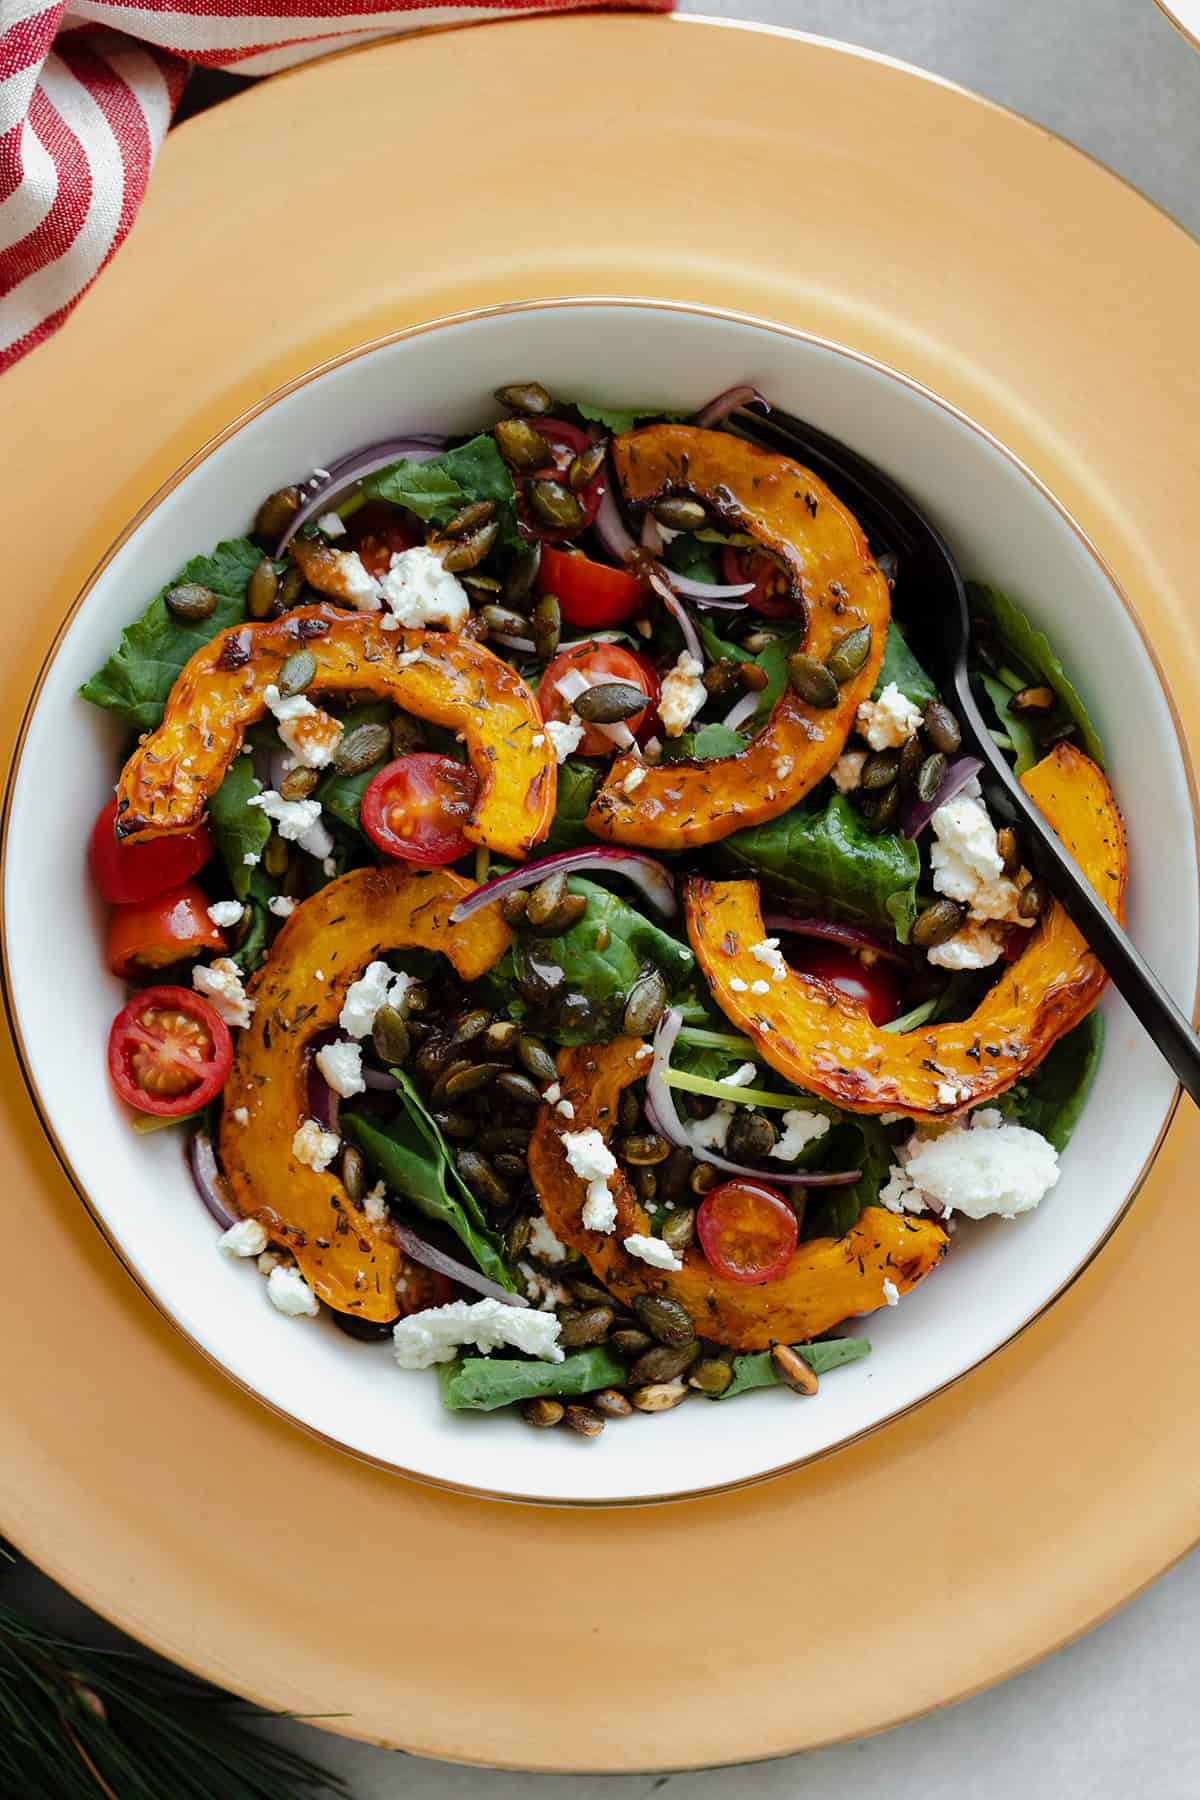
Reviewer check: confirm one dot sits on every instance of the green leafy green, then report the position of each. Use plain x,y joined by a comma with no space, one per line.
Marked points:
688,555
436,490
773,660
758,1369
901,666
829,860
619,419
1054,1096
577,779
1019,733
1033,648
412,1156
858,1142
482,1383
716,647
341,795
708,742
239,829
139,675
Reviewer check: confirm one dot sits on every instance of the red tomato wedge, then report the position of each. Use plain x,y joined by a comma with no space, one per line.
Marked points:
590,595
772,594
598,662
875,985
127,872
378,533
566,441
748,1231
152,934
168,1051
416,808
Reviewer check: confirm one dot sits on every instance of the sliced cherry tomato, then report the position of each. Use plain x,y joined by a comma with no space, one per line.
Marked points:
747,1231
168,1051
126,872
416,808
591,595
565,441
420,1288
772,594
598,662
378,532
876,985
152,934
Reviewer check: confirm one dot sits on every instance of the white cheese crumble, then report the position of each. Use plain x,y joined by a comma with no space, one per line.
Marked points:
591,1159
771,956
891,1292
296,706
847,770
314,1146
293,819
221,985
744,1075
783,767
226,912
241,1115
980,1168
710,1133
552,1093
652,1250
799,1130
376,987
247,1238
358,586
313,739
566,736
290,1294
330,523
564,1108
950,1094
760,987
967,865
683,694
420,591
972,947
281,906
341,1065
252,859
890,721
633,780
375,1204
543,1243
436,1335
737,985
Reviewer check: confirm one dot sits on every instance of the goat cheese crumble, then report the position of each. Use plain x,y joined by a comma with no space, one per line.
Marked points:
221,985
226,912
891,1292
341,1065
890,721
296,706
376,987
981,1168
771,956
281,906
800,1129
683,694
566,735
543,1244
846,772
314,1146
247,1238
358,586
633,780
330,523
375,1204
436,1335
293,819
290,1294
591,1159
421,591
652,1250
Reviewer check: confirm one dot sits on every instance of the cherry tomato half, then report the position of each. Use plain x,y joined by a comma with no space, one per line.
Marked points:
747,1231
591,595
168,1051
598,662
416,808
378,532
152,934
565,441
772,594
876,986
126,872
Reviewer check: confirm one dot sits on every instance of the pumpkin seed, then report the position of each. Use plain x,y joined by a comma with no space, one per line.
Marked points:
513,907
812,680
930,776
191,600
751,1136
586,466
461,1126
468,518
534,1057
276,856
1031,702
471,550
547,627
646,1150
629,1342
849,654
298,784
793,1370
568,912
361,748
589,1292
432,1058
673,1176
545,898
646,1003
519,585
482,1179
469,1026
543,1414
881,768
911,757
611,1404
664,1362
518,1088
879,810
465,1081
584,1419
941,727
1035,898
528,397
291,586
261,589
936,924
646,1183
510,1166
608,702
710,1376
499,1038
417,999
390,1038
703,1177
504,1137
757,639
754,677
516,1238
504,620
629,1109
660,1396
481,587
276,513
678,513
353,1171
298,670
1058,734
665,1319
679,1229
722,676
590,1327
522,447
408,734
555,505
1008,844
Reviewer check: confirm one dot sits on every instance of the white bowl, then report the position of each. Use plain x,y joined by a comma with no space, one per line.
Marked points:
1004,527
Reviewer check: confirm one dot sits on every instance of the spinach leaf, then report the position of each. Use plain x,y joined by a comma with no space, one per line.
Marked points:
341,795
619,419
716,647
709,741
435,490
829,860
1054,1096
772,660
412,1156
688,555
1021,736
1033,647
758,1370
577,780
481,1383
139,675
239,829
901,666
852,1143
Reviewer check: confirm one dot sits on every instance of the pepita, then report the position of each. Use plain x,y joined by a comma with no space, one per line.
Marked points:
646,1183
513,907
468,518
554,505
849,654
880,810
408,734
629,1110
586,466
589,1327
881,768
527,397
664,1362
1009,847
460,1126
276,856
291,586
678,513
912,756
542,1414
547,627
930,776
353,1171
191,600
1035,898
660,1396
481,587
298,670
646,1003
461,1082
390,1038
504,1137
793,1370
276,514
608,702
703,1177
545,898
751,1136
936,924
585,1420
503,619
941,727
722,676
361,748
482,1179
500,1037
510,1166
518,1088
589,1292
519,585
516,1238
665,1319
535,1058
261,589
630,1343
754,677
679,1229
710,1377
469,1026
812,680
471,550
611,1403
298,784
646,1150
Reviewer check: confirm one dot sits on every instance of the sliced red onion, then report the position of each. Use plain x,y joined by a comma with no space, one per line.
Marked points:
740,711
660,1110
380,1080
959,774
612,530
647,874
523,646
463,1273
712,593
279,765
652,537
678,612
323,1103
720,408
210,1183
356,466
853,936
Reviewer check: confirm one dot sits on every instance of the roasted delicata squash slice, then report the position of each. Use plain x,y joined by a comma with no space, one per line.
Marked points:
824,1042
826,1280
453,681
298,994
839,592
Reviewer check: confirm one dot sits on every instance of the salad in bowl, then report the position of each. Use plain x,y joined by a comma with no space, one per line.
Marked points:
559,917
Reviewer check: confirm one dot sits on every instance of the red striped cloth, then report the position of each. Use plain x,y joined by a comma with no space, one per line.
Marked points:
86,95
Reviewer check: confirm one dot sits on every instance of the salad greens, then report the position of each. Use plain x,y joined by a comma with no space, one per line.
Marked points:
1053,1097
901,666
619,419
437,489
1017,731
577,782
482,1383
1032,647
758,1370
341,795
239,829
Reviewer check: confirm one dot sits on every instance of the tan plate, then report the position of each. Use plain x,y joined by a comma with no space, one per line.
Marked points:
857,199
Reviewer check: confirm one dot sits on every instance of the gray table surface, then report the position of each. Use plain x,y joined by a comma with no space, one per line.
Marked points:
1115,1713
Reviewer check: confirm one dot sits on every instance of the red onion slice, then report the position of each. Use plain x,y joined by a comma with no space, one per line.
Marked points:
740,711
210,1183
356,467
959,773
612,530
652,537
853,936
713,593
523,646
719,408
467,1277
660,1110
380,1080
679,613
323,1103
651,877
